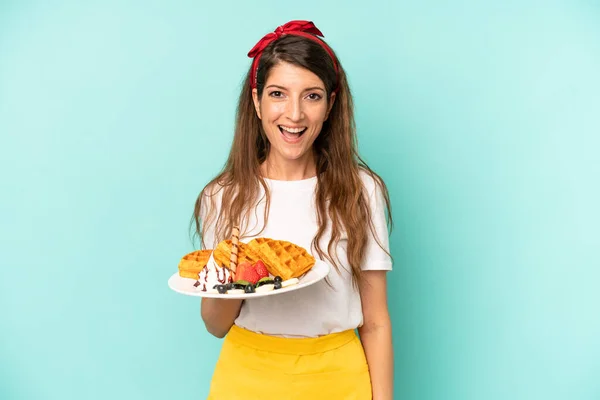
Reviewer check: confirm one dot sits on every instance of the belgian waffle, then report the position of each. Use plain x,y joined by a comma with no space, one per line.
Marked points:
282,258
222,254
191,264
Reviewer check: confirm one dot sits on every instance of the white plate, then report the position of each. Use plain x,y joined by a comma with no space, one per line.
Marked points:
186,285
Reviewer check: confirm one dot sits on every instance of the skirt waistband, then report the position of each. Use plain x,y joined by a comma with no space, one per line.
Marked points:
299,346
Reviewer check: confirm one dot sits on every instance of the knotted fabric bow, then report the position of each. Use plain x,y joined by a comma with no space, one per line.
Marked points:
297,27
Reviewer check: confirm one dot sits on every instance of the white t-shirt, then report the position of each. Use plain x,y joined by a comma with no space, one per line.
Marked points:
318,309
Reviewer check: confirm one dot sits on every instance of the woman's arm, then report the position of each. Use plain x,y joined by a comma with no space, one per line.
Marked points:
219,314
376,333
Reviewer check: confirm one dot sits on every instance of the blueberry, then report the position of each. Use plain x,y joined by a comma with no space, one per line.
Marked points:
277,279
277,284
249,289
222,289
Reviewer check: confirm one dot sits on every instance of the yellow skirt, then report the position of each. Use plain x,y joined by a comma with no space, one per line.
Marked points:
254,366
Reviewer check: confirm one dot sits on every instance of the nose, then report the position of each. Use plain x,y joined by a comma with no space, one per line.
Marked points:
295,112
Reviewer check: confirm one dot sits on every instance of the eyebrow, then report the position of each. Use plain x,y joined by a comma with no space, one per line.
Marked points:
305,90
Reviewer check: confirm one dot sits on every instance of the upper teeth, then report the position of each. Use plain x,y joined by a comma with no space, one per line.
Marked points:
292,130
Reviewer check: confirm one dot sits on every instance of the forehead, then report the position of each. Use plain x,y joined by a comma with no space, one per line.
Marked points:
293,77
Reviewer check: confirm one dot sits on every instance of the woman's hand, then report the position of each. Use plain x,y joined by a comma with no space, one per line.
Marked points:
376,333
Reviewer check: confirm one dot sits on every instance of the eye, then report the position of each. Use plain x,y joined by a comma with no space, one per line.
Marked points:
315,96
276,93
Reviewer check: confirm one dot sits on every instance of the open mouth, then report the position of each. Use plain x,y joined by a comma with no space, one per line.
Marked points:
291,134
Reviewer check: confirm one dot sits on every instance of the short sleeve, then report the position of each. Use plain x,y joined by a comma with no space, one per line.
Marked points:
208,236
376,255
208,201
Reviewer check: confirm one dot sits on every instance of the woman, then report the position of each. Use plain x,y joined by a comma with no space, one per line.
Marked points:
294,174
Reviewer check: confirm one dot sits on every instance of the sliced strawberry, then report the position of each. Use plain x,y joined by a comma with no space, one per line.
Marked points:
241,267
250,275
260,269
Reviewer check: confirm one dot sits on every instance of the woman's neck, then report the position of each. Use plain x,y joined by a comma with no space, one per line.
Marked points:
289,170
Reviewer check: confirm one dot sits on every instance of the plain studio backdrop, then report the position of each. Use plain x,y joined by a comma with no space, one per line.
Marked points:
482,117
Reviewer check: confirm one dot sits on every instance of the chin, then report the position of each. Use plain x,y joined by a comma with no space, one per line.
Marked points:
293,156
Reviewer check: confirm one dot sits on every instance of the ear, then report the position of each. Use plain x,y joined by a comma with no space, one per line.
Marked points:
256,102
330,106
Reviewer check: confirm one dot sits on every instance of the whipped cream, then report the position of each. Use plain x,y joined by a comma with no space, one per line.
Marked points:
212,275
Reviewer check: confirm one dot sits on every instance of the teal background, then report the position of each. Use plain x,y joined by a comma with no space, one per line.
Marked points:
483,118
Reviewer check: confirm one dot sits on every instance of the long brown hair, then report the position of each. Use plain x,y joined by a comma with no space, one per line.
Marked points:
341,199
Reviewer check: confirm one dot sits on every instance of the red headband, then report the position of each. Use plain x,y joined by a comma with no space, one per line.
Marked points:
299,28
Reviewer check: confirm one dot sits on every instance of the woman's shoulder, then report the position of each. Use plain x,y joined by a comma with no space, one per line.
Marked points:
211,196
371,181
215,188
212,188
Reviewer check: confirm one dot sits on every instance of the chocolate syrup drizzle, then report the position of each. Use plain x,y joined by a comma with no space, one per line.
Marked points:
222,279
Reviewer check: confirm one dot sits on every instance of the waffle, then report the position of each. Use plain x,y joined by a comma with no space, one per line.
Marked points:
222,254
191,264
284,259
